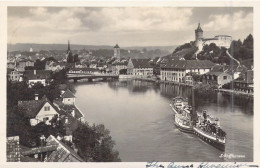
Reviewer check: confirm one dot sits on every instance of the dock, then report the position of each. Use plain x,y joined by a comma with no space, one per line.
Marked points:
229,91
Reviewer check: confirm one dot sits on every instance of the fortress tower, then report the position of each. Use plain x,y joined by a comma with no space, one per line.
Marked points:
198,34
117,52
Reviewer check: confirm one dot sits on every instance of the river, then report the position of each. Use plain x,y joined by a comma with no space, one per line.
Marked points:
140,121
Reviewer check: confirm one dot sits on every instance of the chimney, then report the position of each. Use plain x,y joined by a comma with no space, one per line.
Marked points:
42,140
73,112
36,96
34,72
66,120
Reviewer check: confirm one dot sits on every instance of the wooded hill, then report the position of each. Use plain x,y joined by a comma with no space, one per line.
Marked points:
242,51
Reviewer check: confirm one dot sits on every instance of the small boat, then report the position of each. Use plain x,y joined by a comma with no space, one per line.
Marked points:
208,129
182,116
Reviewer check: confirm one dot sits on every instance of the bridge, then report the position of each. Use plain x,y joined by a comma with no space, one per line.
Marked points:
91,76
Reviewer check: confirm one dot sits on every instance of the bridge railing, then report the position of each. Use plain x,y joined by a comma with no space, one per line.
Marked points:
89,75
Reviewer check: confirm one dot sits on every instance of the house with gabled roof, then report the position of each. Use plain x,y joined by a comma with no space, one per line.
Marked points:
217,78
51,150
42,110
67,104
139,67
68,97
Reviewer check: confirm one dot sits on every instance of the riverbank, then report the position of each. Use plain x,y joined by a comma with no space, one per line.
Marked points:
228,91
202,88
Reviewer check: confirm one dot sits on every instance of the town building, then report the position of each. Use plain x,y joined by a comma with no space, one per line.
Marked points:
55,66
37,76
68,97
219,40
68,106
188,79
176,70
117,52
38,110
11,65
217,78
234,70
13,153
15,76
139,67
51,149
245,83
118,66
20,66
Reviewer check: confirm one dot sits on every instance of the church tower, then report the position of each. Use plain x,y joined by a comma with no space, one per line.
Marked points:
69,56
117,52
198,33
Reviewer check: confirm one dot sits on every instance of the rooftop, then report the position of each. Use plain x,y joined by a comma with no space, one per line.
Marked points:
63,151
68,108
37,74
188,64
141,63
32,107
68,94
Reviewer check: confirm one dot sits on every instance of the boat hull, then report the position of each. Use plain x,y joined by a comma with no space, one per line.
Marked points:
173,109
217,144
183,129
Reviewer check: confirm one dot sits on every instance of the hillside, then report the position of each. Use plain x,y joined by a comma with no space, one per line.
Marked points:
238,51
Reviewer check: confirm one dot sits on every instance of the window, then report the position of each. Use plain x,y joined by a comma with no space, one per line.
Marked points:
224,77
47,108
45,119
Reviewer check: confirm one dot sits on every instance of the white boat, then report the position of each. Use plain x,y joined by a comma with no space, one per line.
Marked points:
182,116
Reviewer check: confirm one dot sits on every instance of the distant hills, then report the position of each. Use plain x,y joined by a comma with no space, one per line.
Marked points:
38,47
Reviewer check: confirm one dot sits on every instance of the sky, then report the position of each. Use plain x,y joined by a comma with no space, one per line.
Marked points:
127,26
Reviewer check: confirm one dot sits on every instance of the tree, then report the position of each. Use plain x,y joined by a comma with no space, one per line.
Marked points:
19,125
60,77
248,42
97,145
39,65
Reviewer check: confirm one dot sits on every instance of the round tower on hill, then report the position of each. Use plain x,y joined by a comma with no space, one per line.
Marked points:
198,33
117,51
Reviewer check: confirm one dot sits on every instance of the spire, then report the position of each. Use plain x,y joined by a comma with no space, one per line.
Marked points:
116,46
68,45
199,28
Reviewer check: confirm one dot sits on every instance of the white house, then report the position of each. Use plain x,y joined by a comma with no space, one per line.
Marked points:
68,97
67,104
176,70
139,67
38,110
